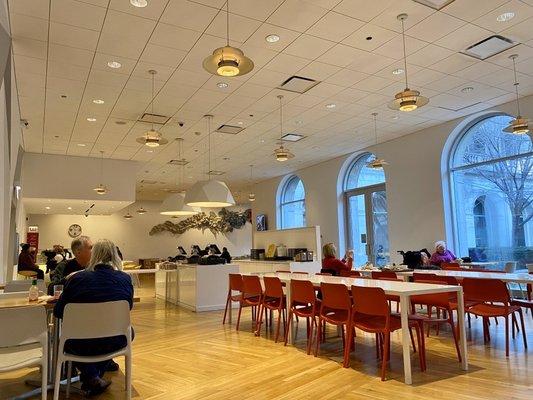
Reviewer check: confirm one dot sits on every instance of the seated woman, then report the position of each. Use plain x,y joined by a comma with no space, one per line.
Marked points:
26,261
331,264
441,254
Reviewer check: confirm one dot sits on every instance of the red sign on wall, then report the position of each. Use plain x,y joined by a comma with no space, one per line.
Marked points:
32,238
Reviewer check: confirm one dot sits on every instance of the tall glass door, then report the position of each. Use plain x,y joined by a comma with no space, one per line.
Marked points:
368,233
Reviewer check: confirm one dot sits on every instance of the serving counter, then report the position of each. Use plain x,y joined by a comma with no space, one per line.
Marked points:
195,287
255,266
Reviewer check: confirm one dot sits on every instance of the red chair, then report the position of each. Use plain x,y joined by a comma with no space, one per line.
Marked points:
450,267
300,272
350,274
384,275
252,295
283,271
371,313
335,309
486,292
235,285
303,304
323,273
445,302
273,300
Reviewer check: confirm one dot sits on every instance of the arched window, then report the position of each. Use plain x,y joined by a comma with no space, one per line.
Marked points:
366,212
480,222
489,163
292,204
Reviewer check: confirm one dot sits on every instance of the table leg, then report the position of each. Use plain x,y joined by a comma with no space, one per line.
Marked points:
288,296
406,340
462,330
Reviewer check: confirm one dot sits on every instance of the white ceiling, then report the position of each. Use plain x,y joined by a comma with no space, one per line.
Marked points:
73,207
61,47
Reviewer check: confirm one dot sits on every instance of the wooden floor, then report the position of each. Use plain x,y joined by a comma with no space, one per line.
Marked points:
183,355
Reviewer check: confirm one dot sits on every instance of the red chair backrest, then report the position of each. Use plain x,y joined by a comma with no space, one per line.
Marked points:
450,266
486,290
273,287
251,285
384,275
235,282
302,291
441,300
301,272
422,275
335,296
351,273
283,271
370,301
323,273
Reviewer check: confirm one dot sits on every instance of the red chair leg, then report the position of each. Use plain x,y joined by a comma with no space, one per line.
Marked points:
288,326
310,337
279,324
318,336
386,347
239,317
454,333
226,309
523,327
506,336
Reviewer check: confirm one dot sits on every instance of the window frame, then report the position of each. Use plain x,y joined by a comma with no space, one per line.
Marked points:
282,203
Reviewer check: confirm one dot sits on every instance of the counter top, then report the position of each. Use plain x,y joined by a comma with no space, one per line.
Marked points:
268,261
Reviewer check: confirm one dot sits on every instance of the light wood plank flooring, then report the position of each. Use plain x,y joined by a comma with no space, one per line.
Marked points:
183,355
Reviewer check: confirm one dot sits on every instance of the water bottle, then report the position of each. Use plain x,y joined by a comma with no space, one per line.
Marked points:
34,291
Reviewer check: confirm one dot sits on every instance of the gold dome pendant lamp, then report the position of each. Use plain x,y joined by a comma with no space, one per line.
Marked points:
251,195
152,138
519,125
408,99
376,163
101,189
282,154
228,61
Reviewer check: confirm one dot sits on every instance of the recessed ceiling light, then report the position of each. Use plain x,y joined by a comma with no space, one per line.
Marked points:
262,140
398,71
47,207
239,123
149,151
467,89
222,85
81,145
272,38
91,119
114,64
331,105
98,101
139,3
299,122
69,208
506,16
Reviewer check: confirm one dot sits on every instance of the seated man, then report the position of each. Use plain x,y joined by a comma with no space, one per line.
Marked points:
81,247
26,261
102,281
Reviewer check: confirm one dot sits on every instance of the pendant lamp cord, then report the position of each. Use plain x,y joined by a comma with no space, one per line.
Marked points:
227,22
180,173
280,97
209,147
101,166
152,105
251,176
516,85
404,54
375,127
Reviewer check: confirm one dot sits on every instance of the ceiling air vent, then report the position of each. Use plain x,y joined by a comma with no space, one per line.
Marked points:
182,162
215,172
489,47
292,137
154,119
232,130
435,4
298,84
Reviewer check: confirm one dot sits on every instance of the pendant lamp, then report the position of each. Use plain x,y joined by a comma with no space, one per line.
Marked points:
228,61
209,193
174,205
141,211
152,138
407,100
519,125
101,189
282,153
128,215
376,163
251,195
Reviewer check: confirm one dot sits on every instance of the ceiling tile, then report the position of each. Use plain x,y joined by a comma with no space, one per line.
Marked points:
369,37
70,55
190,15
162,55
241,28
341,55
318,70
286,37
435,26
73,36
32,8
28,27
309,47
296,14
174,37
77,13
489,21
259,10
454,63
463,37
429,55
363,10
334,26
152,11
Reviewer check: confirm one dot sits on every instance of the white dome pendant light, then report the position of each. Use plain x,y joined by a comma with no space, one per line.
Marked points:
101,189
251,195
174,204
228,61
519,125
282,153
209,193
152,138
376,163
407,100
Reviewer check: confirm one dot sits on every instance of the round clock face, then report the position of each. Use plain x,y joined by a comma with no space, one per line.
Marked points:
74,230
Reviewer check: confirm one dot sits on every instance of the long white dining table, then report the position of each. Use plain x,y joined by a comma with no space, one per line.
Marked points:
402,289
505,277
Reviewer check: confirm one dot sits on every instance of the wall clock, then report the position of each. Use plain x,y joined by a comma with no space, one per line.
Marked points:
74,230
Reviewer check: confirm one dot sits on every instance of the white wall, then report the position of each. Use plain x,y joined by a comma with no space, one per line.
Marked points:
132,235
414,188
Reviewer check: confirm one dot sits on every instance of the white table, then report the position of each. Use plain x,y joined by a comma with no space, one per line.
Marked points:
505,277
402,289
479,264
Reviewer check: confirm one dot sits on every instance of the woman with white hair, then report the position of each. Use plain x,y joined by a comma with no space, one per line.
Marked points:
441,254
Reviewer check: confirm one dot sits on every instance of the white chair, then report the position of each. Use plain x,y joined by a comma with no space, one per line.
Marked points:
84,321
25,343
510,267
24,286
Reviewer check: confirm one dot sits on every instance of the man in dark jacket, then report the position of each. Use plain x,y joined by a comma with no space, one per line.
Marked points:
82,248
100,283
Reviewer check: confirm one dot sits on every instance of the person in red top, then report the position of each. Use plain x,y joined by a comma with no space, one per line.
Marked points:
331,264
